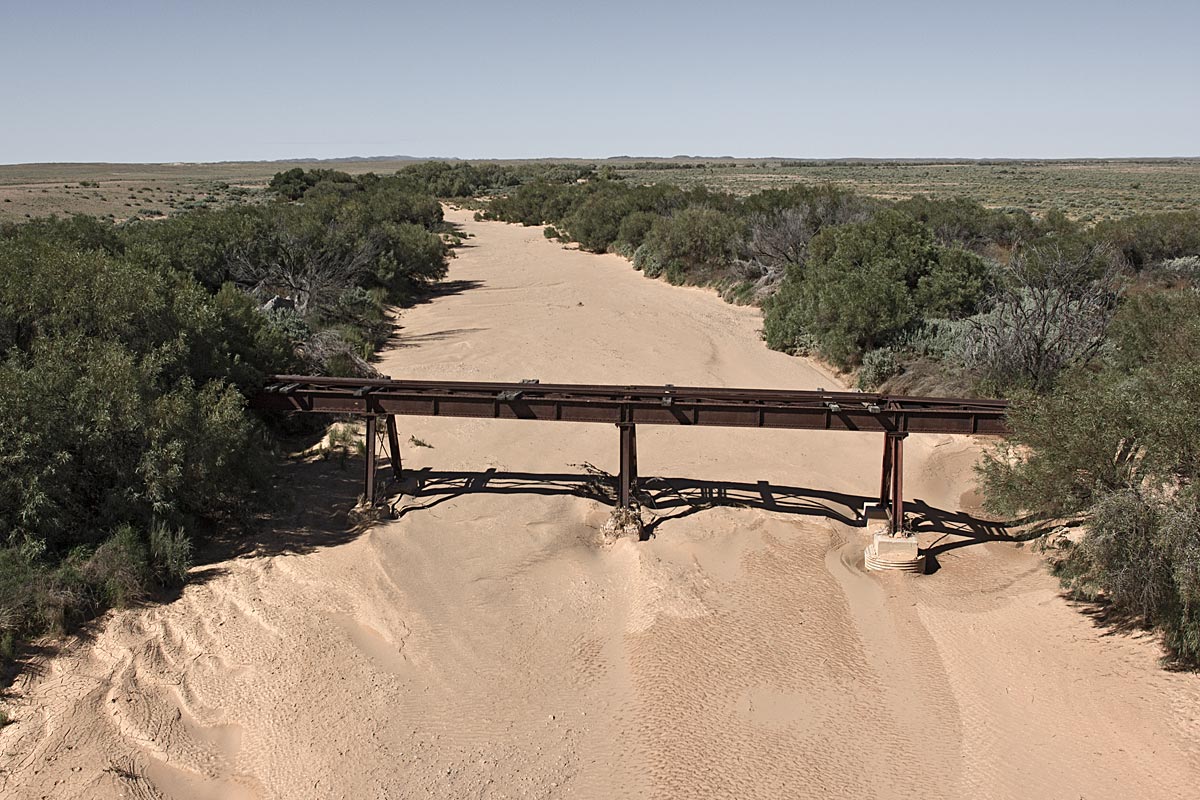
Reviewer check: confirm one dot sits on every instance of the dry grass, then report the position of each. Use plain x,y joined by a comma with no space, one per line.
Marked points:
122,191
1087,190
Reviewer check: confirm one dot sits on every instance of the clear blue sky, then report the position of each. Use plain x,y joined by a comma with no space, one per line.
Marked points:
217,80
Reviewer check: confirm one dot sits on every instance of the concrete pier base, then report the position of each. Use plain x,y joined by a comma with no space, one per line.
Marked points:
894,553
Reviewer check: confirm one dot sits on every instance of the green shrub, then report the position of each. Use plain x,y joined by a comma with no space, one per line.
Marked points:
146,339
867,285
622,249
595,221
856,289
877,367
955,285
785,324
1108,446
693,242
646,259
1051,312
960,221
635,227
1141,555
170,554
119,570
1145,239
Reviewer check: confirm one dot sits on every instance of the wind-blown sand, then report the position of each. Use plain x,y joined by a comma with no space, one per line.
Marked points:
488,645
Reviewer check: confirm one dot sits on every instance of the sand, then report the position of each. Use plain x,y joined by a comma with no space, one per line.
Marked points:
488,644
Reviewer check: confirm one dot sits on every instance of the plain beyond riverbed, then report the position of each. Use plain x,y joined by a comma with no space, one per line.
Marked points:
488,645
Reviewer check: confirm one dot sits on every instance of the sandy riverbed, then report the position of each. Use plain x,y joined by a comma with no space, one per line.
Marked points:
488,645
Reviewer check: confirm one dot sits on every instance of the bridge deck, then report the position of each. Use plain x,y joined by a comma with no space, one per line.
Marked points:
629,406
643,405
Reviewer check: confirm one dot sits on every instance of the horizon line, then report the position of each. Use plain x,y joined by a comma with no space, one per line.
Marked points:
680,157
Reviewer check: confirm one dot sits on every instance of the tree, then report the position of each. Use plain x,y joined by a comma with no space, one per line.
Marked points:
1053,306
693,240
1110,447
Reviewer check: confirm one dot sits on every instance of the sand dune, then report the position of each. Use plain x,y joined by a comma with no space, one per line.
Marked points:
487,644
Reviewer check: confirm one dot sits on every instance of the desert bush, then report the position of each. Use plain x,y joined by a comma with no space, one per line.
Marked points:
1108,447
596,221
784,221
126,353
170,554
693,241
963,222
785,323
463,179
1185,267
869,284
1108,426
780,238
1144,239
646,259
621,249
119,569
877,367
955,284
1051,312
635,226
79,232
1141,555
935,338
535,203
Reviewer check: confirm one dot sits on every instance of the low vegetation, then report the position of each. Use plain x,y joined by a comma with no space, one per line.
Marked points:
1112,447
1091,330
127,352
127,348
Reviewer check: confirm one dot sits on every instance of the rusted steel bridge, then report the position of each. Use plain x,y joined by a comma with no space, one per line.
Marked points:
626,407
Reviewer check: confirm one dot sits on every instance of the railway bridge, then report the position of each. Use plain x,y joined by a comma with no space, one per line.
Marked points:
626,407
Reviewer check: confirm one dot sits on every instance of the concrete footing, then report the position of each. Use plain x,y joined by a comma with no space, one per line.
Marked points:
894,553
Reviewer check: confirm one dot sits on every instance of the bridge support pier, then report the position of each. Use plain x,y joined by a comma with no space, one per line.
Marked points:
394,446
372,447
891,484
369,476
627,478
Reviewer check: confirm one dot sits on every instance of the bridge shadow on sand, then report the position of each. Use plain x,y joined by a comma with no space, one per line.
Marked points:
674,498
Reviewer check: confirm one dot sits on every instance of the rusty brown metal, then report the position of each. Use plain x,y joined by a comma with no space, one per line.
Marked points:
627,478
896,501
643,405
885,481
394,447
628,406
369,477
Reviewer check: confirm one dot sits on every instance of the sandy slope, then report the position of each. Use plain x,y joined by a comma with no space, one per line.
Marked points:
486,645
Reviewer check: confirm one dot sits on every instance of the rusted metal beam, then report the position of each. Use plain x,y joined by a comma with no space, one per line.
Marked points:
885,480
645,405
895,443
394,447
627,478
369,476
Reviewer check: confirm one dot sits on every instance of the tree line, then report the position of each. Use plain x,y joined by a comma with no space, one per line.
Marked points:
126,355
